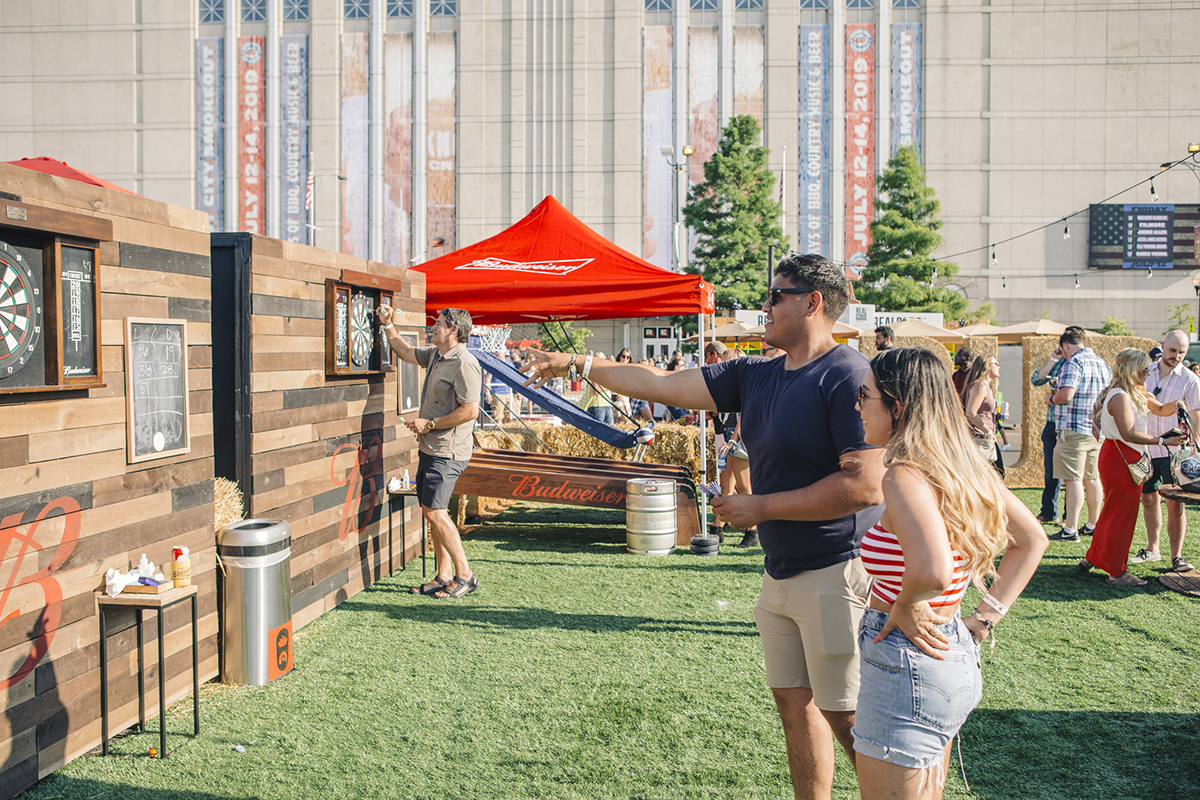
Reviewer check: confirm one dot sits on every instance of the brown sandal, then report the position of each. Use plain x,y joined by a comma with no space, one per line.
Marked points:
434,586
1128,579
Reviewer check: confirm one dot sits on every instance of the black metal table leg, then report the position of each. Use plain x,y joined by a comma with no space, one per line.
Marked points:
103,683
141,667
195,667
162,688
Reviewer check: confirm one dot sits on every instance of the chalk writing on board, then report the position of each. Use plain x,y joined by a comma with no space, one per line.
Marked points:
158,389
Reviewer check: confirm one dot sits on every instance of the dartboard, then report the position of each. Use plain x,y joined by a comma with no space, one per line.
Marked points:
362,335
20,312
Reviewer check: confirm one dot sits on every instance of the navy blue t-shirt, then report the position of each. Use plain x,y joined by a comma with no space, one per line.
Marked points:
796,425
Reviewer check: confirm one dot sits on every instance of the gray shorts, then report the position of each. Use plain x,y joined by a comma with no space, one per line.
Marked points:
911,705
436,477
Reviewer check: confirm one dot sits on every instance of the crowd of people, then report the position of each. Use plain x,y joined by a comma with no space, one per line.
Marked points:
874,491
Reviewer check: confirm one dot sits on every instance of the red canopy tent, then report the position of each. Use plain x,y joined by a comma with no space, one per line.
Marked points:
64,170
552,266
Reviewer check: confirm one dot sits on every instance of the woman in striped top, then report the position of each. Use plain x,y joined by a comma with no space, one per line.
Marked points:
947,517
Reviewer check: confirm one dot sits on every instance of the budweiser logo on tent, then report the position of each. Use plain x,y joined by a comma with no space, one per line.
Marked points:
548,267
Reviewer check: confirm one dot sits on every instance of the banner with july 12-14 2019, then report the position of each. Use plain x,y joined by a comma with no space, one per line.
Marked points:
860,144
252,155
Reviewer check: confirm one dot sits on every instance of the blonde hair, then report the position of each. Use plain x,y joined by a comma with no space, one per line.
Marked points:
1126,374
930,434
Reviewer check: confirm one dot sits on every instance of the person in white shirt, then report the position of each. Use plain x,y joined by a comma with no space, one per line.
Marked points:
1169,382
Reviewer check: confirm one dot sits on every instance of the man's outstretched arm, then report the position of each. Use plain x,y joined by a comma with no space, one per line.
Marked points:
685,388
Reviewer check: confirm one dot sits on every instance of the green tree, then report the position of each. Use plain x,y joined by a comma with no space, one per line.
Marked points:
1180,318
736,217
1116,327
562,337
900,275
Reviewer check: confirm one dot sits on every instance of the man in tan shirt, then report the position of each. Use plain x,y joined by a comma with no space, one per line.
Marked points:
449,407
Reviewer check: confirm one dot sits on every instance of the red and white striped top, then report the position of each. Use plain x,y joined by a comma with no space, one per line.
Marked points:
884,561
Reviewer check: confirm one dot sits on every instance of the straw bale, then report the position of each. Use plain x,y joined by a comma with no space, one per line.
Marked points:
227,503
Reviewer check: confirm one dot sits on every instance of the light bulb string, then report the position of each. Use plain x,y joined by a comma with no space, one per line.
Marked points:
1058,220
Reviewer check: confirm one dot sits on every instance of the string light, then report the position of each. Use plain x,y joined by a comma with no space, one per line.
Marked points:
1153,194
995,263
1004,283
1066,231
1149,273
1076,281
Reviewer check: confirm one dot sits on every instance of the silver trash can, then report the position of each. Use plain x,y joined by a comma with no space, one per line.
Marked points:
650,516
256,603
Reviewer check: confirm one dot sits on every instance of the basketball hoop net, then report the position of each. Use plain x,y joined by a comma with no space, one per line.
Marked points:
493,338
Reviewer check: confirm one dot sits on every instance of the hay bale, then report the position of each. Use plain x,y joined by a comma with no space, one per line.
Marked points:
227,503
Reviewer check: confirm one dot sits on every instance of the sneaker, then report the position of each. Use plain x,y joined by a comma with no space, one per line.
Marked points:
1180,564
1145,555
1065,535
1087,530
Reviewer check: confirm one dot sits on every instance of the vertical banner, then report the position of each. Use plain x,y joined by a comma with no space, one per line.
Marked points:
657,177
704,129
906,86
355,144
252,151
748,70
813,168
441,147
293,145
210,132
860,144
397,159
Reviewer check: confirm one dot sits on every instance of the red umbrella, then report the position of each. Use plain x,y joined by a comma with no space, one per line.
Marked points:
62,169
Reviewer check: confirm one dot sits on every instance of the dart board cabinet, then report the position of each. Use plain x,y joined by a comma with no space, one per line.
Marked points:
49,299
354,341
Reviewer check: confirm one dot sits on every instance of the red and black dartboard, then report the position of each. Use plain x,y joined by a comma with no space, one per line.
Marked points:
20,312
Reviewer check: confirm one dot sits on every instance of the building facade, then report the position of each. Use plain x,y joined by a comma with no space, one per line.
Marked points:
424,125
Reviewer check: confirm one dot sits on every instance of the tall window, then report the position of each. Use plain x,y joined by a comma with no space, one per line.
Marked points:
749,5
399,8
443,8
212,12
859,4
704,5
659,5
906,3
816,5
295,10
357,9
254,10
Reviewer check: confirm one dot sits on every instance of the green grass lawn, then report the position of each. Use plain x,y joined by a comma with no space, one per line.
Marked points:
581,671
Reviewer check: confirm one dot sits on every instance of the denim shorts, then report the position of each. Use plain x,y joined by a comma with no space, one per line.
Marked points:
910,705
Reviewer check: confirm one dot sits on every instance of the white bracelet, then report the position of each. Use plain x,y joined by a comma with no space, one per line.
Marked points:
387,327
587,366
1000,608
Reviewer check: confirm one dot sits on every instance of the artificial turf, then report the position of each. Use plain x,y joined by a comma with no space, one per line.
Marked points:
579,670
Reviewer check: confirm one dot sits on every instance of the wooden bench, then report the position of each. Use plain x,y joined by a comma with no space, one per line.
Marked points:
575,481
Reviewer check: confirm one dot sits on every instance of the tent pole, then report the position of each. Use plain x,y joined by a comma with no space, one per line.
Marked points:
703,444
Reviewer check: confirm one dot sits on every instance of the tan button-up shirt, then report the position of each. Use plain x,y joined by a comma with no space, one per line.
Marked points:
451,380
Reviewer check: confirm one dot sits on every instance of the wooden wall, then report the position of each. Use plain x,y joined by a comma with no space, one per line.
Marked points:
72,445
321,447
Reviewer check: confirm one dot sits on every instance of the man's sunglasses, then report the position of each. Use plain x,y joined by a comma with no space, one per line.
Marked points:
775,295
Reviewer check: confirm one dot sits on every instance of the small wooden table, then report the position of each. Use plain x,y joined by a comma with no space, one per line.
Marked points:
140,603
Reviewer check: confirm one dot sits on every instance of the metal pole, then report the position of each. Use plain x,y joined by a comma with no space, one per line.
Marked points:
703,444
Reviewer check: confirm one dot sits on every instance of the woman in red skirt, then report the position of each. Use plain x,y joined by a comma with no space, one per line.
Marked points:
1120,416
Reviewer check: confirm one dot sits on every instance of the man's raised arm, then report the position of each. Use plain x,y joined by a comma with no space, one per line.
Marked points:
683,388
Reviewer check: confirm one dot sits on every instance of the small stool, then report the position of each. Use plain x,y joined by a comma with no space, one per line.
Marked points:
404,494
140,603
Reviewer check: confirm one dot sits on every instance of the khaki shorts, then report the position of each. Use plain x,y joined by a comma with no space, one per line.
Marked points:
809,630
1076,457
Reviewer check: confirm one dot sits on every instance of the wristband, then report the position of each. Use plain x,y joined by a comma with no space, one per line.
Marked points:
587,366
987,623
999,607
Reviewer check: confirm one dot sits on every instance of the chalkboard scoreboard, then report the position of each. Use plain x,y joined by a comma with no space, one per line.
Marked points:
1144,236
156,388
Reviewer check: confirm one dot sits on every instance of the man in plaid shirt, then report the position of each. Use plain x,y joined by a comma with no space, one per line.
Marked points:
1084,375
1169,381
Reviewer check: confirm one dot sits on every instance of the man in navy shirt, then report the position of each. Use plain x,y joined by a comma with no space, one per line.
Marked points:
816,490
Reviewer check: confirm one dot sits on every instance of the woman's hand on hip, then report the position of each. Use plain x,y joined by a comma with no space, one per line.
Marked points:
920,624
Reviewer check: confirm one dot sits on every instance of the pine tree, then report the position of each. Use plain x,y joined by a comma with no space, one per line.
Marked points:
900,275
736,217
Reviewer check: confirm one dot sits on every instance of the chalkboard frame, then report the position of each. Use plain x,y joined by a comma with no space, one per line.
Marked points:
409,373
132,456
56,354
